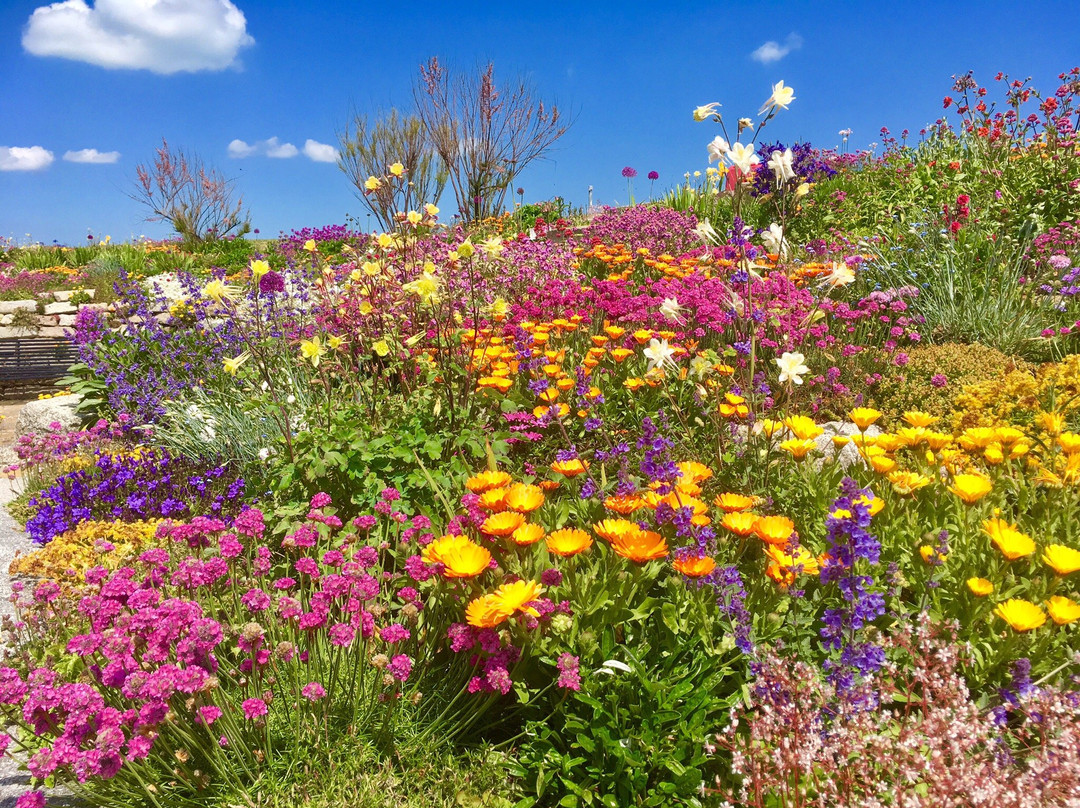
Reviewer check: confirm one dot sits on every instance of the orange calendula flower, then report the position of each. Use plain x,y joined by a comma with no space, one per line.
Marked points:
971,487
640,546
460,556
733,503
785,564
906,483
549,485
931,555
741,524
634,384
694,566
502,524
624,505
608,529
523,498
1069,442
1061,559
802,427
1062,610
487,480
495,383
569,468
568,541
920,419
874,505
798,448
493,500
775,530
485,611
642,336
980,587
516,597
1009,540
529,533
734,406
693,470
1021,615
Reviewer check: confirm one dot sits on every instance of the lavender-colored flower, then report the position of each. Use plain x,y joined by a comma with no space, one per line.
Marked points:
629,172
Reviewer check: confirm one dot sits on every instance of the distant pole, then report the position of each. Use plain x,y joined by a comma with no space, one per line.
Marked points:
590,198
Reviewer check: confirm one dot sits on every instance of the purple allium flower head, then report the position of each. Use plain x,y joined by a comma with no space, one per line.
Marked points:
629,172
654,175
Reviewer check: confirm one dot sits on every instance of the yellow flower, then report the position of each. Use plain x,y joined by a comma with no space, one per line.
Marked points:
1062,610
311,246
219,291
233,365
397,169
732,503
371,268
529,533
863,417
1052,422
384,240
776,530
460,556
802,427
486,480
874,505
502,524
259,268
1061,559
608,529
784,564
413,217
1021,615
798,448
381,348
920,419
486,611
980,587
425,287
1009,540
569,468
741,524
313,350
516,597
971,487
930,555
1069,442
373,183
524,498
430,209
568,542
466,249
335,342
908,482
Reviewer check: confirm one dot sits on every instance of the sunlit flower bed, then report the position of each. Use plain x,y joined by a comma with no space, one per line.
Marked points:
652,504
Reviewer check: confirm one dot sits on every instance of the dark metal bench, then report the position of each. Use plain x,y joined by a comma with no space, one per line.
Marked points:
32,361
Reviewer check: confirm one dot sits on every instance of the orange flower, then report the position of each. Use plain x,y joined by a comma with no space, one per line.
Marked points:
502,524
634,384
774,529
492,500
694,566
528,533
741,524
693,470
623,504
621,354
487,480
569,468
639,545
516,597
608,529
495,383
523,498
568,541
732,503
460,556
486,611
784,565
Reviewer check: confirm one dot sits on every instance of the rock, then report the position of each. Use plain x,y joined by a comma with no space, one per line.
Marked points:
66,295
48,319
35,416
60,308
6,332
848,454
96,306
52,331
6,319
12,306
66,320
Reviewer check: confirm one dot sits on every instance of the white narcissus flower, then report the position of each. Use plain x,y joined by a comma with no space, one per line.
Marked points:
703,112
717,148
773,239
658,352
792,367
671,309
781,98
782,164
707,232
743,157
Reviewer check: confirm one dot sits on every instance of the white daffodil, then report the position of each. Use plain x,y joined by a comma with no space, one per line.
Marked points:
658,352
841,275
671,309
782,165
773,239
781,98
703,112
792,367
707,232
717,148
742,157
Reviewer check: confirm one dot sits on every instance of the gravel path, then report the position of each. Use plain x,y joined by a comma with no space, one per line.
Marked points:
13,779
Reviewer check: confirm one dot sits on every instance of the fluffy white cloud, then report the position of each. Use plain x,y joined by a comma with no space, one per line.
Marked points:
773,51
320,152
24,158
240,149
91,156
164,36
273,148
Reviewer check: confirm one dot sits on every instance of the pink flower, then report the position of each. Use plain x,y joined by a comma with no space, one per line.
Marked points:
254,708
313,691
342,634
320,500
256,600
395,632
400,667
31,799
210,713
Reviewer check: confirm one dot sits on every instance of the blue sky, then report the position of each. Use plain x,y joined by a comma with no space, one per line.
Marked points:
630,73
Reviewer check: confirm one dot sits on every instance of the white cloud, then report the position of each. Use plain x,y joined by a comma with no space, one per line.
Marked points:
163,36
240,149
91,156
272,148
773,51
24,158
320,152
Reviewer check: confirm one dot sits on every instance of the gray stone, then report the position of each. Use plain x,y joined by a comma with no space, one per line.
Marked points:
67,295
35,416
48,319
66,320
6,319
11,331
12,306
848,455
60,308
96,306
52,331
